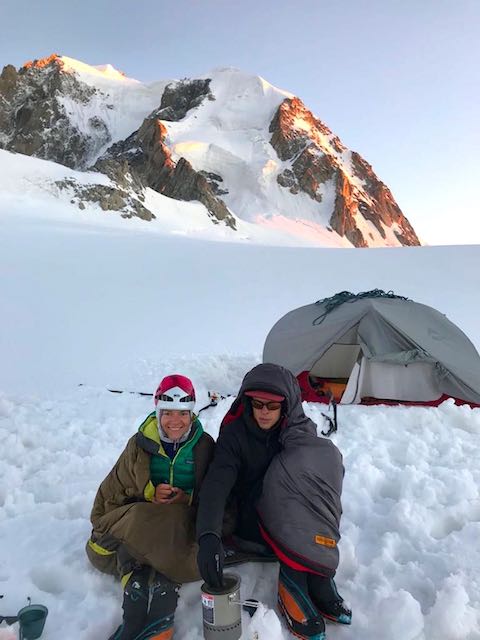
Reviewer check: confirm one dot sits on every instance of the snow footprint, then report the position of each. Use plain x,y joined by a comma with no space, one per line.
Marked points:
455,519
57,581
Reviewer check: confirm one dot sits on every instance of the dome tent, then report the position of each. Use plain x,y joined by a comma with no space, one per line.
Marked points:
375,347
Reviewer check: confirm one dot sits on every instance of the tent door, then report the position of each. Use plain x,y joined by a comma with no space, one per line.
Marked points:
334,369
351,393
336,362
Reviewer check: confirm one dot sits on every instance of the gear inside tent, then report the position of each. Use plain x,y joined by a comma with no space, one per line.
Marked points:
375,347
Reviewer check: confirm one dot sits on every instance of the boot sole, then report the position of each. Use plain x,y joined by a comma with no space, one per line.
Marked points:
318,636
335,620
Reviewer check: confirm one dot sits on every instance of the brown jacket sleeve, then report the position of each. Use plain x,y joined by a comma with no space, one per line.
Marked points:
124,484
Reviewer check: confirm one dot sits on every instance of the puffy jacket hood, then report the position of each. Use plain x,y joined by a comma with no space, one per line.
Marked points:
277,379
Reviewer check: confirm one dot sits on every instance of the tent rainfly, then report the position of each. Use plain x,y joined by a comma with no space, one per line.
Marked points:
375,348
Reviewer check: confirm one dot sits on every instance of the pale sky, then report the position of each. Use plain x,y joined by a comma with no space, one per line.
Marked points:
397,80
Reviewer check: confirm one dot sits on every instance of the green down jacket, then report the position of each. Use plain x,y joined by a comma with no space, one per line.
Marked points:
129,528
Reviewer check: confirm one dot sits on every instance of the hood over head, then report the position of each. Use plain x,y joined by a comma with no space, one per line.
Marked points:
275,379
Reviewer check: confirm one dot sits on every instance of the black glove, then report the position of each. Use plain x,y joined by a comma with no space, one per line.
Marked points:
210,560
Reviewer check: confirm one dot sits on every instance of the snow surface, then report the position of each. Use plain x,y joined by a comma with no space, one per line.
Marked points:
90,299
28,184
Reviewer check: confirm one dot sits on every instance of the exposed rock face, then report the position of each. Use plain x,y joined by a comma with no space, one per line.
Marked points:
382,206
109,198
342,219
292,128
318,161
34,118
145,159
179,97
8,80
214,181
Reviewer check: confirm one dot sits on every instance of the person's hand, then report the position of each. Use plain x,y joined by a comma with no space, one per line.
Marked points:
166,494
210,559
179,496
163,493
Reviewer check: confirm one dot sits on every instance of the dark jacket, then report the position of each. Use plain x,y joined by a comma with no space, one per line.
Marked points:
242,455
299,475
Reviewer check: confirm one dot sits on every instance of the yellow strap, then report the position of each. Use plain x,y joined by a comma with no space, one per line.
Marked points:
149,491
98,549
125,579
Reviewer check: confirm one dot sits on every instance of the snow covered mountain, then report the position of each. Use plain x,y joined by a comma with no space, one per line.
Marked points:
247,151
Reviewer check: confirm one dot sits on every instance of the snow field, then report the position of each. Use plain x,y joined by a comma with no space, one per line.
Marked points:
409,556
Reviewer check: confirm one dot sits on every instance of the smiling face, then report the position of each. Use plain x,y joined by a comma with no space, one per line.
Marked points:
266,414
175,423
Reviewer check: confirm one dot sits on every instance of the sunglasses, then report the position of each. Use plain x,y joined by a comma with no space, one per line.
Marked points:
271,406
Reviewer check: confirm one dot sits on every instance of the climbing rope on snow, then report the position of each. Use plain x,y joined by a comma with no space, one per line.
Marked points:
346,296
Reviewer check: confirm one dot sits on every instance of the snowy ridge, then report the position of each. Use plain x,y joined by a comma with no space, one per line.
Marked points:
95,74
121,102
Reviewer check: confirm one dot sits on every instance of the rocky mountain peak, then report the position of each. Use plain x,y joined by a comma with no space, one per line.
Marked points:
318,162
8,77
294,128
37,114
53,59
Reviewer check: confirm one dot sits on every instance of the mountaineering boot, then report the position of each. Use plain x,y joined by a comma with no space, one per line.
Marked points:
327,600
135,604
161,611
302,617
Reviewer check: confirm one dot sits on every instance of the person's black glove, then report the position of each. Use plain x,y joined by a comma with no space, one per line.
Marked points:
210,560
